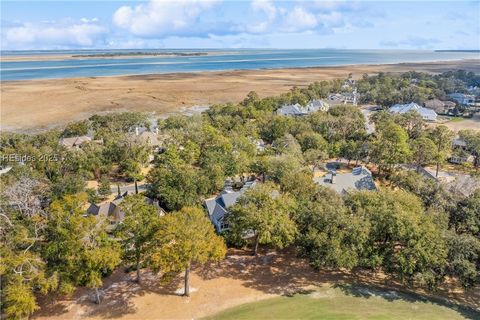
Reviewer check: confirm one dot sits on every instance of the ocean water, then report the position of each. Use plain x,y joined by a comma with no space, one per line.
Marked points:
219,60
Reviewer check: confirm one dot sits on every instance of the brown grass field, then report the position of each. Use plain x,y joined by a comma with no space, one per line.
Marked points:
39,104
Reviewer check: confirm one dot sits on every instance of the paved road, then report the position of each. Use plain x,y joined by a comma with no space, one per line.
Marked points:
130,188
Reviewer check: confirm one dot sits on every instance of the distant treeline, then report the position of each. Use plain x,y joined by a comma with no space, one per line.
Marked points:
140,53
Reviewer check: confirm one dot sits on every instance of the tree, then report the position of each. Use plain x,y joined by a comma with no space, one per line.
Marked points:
391,146
423,151
465,218
329,236
104,189
265,213
402,239
23,272
185,237
77,247
442,138
472,139
137,231
463,255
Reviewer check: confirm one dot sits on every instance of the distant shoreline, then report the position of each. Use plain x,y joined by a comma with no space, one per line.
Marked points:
107,55
422,62
33,105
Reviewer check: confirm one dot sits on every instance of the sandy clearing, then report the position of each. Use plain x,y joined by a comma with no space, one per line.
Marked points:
39,104
239,279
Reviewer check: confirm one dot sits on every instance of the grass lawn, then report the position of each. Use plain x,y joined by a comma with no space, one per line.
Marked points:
347,302
456,119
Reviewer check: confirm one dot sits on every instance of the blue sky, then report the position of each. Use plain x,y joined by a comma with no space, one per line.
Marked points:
42,25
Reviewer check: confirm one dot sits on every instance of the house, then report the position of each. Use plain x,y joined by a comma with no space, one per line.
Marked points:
359,179
317,105
461,157
426,114
460,153
463,99
75,142
344,98
292,110
217,207
297,110
112,212
441,107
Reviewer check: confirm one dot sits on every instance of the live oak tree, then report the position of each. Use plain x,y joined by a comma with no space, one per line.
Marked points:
137,231
78,248
185,238
23,272
266,214
329,236
401,238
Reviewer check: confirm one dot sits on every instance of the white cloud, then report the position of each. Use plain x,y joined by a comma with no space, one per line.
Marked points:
162,18
62,34
265,7
300,20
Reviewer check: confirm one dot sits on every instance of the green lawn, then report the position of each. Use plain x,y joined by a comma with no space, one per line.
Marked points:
347,303
456,119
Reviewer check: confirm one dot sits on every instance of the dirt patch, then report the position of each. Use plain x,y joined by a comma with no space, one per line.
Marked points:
238,279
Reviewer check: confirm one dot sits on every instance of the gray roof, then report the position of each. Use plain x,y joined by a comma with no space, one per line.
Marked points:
299,110
74,141
217,207
359,179
292,110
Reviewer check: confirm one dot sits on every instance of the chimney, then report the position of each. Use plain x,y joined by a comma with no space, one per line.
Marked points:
136,131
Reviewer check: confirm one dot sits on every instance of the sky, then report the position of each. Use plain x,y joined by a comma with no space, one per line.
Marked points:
51,25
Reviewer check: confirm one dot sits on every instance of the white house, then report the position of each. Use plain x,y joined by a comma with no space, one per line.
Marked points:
299,110
427,114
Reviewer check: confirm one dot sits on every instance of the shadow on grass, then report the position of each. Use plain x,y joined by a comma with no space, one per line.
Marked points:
282,273
363,291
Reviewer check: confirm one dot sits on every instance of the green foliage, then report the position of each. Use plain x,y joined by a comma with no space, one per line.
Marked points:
104,188
423,151
79,128
390,146
402,239
78,249
329,236
265,213
137,231
442,138
184,238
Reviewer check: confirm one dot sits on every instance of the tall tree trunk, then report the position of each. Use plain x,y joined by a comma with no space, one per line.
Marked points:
187,279
136,187
438,168
97,296
255,246
139,280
